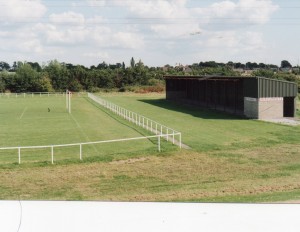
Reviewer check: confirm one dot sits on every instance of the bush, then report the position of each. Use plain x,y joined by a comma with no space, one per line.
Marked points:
122,89
151,89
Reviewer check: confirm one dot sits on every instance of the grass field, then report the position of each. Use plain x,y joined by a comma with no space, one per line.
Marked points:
27,122
231,160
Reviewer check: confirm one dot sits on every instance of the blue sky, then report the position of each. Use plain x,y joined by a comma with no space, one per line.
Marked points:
158,32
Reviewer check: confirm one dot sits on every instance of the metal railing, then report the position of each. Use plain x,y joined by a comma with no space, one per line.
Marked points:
140,120
80,145
36,94
158,129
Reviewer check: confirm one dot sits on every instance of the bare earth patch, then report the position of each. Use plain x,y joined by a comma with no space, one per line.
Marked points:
129,161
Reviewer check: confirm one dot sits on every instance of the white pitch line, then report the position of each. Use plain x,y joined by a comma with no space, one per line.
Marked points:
84,134
23,113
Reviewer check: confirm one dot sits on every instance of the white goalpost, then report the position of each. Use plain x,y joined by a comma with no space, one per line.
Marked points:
68,101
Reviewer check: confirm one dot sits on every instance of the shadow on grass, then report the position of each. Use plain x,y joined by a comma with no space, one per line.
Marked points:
195,111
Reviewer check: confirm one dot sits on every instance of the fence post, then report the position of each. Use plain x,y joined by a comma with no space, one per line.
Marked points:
168,134
19,150
52,155
158,142
180,145
173,136
80,155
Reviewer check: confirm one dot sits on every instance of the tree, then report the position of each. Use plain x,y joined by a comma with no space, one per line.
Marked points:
35,66
4,66
230,64
102,65
15,66
132,62
285,64
262,65
58,74
2,84
264,73
78,76
43,84
25,79
211,64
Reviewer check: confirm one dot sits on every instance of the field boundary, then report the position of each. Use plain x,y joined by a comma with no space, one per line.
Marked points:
31,94
160,131
37,94
80,145
148,124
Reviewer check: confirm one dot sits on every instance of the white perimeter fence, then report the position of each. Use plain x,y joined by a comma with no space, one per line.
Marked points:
154,127
158,129
80,145
35,94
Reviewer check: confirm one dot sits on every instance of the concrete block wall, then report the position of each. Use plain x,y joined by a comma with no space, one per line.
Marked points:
263,108
251,107
270,108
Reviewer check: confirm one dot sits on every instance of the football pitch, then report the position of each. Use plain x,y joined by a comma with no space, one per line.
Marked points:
231,159
44,120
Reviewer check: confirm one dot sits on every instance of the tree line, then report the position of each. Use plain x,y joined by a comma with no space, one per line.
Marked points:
57,76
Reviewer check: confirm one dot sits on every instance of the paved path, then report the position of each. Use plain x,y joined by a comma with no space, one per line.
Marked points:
286,121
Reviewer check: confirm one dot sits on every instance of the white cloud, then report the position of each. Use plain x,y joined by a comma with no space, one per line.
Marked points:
157,8
30,46
21,11
102,55
165,31
97,19
70,18
175,31
253,41
127,40
96,2
242,12
66,37
164,18
67,28
248,41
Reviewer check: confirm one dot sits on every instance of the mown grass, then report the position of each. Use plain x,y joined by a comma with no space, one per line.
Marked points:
298,107
27,122
232,160
206,130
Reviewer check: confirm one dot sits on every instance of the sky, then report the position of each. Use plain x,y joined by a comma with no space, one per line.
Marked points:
157,32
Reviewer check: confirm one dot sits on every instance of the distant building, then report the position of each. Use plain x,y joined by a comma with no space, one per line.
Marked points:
286,70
